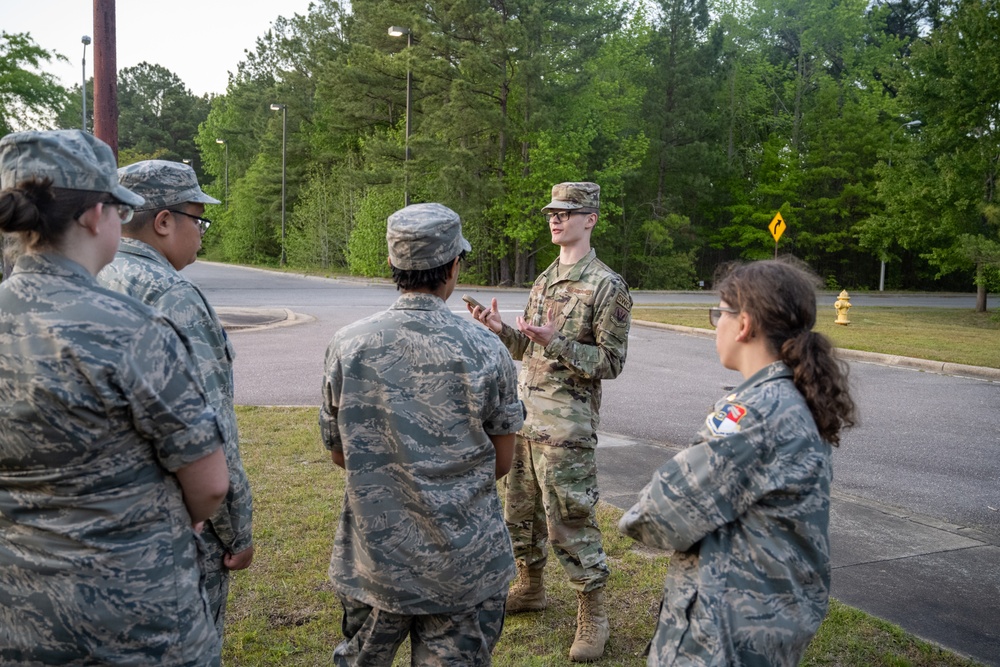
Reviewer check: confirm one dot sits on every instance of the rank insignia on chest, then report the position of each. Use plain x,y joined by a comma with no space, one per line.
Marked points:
726,419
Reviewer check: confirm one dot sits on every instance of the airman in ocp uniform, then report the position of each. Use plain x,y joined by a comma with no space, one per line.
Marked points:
572,336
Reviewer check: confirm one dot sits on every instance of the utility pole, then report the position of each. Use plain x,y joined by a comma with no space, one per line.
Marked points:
106,74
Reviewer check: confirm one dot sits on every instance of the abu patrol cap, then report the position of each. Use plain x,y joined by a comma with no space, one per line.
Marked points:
571,196
164,184
424,236
71,159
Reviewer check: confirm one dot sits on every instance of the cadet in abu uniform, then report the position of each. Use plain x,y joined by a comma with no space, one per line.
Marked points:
162,238
747,505
420,408
109,449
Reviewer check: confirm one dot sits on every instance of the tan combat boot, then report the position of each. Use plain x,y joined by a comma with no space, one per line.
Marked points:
592,630
528,591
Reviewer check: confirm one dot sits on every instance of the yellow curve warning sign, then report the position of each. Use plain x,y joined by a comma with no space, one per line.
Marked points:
777,226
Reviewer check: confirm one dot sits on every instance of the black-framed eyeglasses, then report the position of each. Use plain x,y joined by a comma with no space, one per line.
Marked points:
203,223
563,216
715,314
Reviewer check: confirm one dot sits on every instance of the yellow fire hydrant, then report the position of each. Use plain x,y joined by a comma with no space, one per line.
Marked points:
842,304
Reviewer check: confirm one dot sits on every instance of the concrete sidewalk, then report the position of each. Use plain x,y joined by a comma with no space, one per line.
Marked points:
938,581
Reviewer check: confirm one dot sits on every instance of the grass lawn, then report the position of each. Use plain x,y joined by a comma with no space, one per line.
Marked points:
959,336
283,612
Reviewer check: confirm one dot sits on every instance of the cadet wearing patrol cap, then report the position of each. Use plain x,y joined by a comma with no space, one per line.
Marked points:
420,408
110,450
164,237
573,335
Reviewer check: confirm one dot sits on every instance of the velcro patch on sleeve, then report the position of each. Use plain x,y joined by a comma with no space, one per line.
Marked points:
726,420
623,305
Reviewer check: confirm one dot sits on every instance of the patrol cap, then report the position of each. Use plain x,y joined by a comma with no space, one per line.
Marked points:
424,236
163,184
569,196
72,159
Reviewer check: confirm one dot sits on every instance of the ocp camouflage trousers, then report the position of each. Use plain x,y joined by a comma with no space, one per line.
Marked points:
551,496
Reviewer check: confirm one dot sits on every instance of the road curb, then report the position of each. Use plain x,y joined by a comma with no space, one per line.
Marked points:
255,319
928,365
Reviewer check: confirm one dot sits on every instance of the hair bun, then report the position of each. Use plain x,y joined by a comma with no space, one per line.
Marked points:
20,207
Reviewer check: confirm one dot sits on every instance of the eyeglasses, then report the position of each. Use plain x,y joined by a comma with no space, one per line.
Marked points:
125,211
203,223
715,314
562,216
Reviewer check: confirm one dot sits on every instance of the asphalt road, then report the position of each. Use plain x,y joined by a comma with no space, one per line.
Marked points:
926,443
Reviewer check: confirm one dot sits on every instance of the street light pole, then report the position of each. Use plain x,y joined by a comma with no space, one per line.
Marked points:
226,146
83,85
284,125
397,31
912,123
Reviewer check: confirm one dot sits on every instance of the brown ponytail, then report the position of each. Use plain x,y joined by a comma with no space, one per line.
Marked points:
780,297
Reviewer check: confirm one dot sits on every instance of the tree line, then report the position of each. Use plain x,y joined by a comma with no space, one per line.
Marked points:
872,127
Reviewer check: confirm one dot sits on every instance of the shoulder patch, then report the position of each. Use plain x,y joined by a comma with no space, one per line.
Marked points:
623,305
726,420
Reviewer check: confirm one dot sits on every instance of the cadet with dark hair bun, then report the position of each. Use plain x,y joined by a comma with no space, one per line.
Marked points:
109,452
747,505
420,409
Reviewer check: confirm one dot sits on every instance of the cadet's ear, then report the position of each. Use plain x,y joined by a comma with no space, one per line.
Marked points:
746,326
90,218
161,223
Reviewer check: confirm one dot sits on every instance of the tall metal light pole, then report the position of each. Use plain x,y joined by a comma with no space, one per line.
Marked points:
912,123
284,126
397,31
83,85
223,142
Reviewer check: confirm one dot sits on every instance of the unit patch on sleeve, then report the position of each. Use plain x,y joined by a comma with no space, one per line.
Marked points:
726,420
623,305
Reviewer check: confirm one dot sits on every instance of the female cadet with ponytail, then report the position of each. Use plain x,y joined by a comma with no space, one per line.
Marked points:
746,506
109,451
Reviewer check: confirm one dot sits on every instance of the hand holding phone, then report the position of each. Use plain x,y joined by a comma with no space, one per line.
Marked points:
472,302
488,316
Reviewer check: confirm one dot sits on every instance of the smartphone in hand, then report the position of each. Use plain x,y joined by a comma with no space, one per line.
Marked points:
472,302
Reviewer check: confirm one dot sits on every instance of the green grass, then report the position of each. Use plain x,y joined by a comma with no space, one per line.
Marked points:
282,611
953,335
